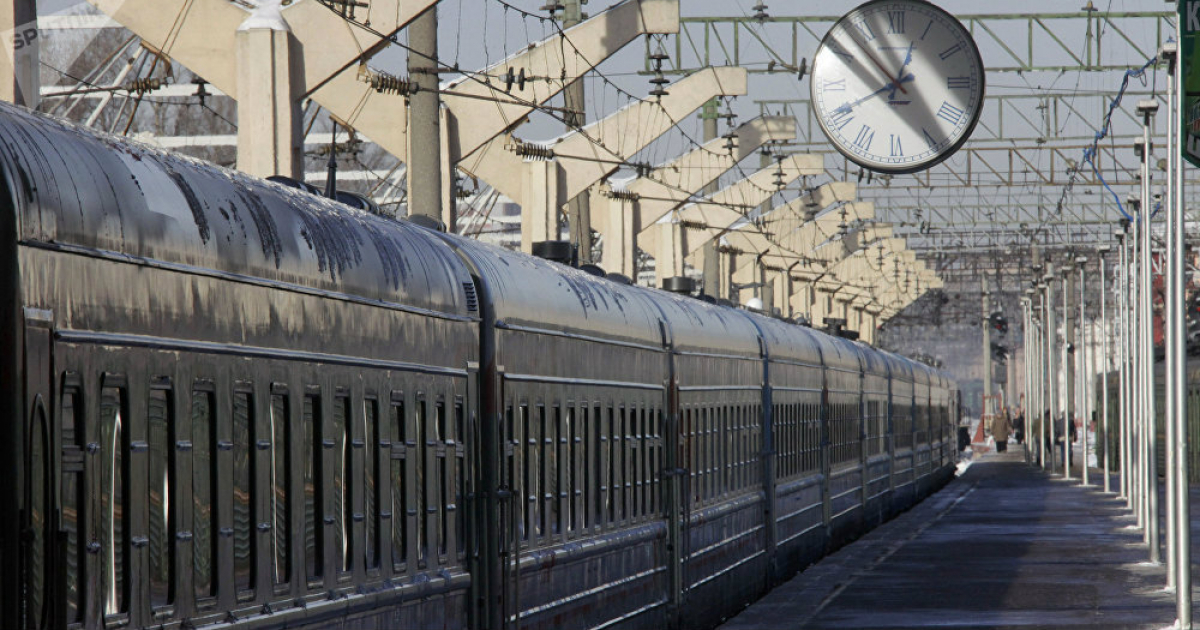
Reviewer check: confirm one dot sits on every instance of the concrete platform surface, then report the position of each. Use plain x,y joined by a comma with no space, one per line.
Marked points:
1005,545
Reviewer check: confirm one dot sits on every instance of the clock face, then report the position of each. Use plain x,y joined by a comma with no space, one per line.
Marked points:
897,85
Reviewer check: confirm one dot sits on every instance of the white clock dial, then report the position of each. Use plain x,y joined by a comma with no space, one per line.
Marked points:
897,85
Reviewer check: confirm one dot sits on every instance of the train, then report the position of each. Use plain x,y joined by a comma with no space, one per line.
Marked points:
237,404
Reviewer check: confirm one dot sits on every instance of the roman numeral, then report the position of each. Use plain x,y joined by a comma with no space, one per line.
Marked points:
897,150
950,113
838,85
866,30
837,50
841,117
864,138
929,139
926,31
895,22
950,52
958,83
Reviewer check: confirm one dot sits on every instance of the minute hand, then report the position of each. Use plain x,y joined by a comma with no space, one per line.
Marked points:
846,107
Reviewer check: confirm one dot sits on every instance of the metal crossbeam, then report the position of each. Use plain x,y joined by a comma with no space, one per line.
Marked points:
1052,42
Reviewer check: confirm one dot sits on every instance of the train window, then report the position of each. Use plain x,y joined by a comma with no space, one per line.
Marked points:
420,430
571,462
531,479
598,459
549,477
460,515
374,443
513,455
343,505
281,475
314,494
204,470
618,465
398,461
160,490
609,463
635,460
243,491
74,438
585,465
114,512
40,474
442,481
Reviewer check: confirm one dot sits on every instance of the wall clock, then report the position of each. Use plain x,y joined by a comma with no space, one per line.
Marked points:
897,85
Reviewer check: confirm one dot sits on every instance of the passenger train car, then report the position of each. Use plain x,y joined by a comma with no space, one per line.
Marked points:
236,404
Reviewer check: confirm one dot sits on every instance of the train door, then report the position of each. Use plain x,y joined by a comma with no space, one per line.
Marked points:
38,542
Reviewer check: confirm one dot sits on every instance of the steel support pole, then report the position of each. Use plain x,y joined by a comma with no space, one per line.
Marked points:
1082,369
1068,385
1150,468
1121,324
1051,369
1105,365
1176,342
984,416
1026,350
1169,376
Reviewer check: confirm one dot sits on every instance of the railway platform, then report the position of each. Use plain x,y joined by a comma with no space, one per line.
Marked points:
1004,545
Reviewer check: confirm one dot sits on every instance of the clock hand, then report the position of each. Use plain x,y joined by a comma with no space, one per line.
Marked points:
906,79
846,107
887,75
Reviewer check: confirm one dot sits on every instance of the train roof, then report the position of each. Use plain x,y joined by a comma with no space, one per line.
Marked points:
790,342
530,292
874,361
534,293
76,188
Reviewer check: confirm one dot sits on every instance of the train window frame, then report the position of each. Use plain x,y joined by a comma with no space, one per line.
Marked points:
204,388
459,446
442,479
119,471
165,385
421,478
341,481
398,463
74,464
244,390
282,437
312,418
373,445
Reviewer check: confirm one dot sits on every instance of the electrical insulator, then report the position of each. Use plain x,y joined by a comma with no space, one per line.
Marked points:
141,86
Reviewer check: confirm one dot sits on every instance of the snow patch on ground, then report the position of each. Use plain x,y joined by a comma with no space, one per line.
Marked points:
964,461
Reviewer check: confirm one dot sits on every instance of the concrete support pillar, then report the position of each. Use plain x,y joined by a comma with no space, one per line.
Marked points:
729,263
449,179
620,240
802,301
579,209
783,293
671,246
708,259
270,140
540,219
425,189
19,65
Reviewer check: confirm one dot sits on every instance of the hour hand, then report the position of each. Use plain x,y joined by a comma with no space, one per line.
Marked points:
907,78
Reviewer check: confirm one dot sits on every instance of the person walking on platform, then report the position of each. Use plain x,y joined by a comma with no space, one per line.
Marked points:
1019,427
1001,427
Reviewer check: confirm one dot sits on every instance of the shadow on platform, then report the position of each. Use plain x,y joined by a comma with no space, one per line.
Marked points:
1005,545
